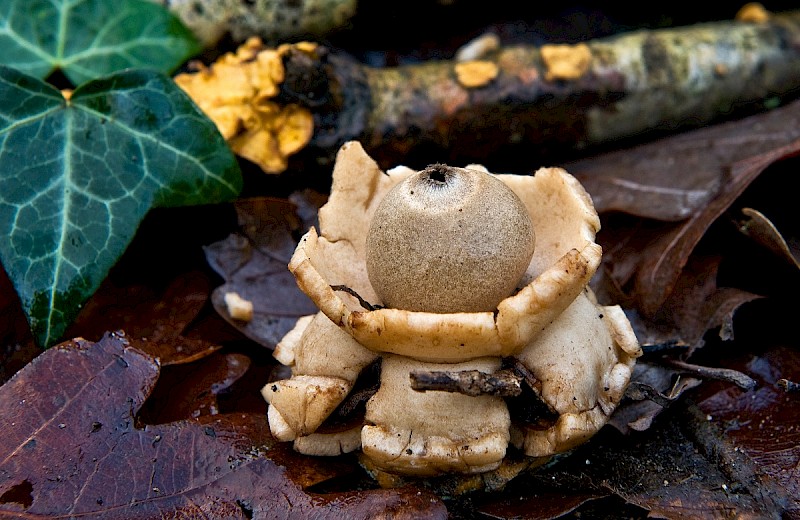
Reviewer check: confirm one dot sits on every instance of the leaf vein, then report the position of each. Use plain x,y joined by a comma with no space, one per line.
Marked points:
178,152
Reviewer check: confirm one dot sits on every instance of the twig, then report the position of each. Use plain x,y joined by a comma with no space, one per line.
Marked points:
741,380
520,369
621,88
364,303
788,386
559,97
662,348
639,391
503,383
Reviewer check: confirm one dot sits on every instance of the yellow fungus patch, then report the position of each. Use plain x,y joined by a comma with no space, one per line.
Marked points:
753,12
566,62
236,92
477,73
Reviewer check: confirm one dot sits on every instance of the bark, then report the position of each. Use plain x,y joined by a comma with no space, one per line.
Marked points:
273,20
662,80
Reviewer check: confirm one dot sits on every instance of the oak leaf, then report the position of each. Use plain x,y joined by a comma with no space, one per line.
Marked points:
71,447
690,179
761,438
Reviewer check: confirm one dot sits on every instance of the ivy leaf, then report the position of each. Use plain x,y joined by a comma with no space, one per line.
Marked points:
90,38
78,176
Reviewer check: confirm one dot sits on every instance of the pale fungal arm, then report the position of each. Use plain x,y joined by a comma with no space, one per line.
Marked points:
325,365
431,433
584,361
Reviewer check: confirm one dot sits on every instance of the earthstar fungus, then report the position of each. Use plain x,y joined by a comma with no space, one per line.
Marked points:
580,353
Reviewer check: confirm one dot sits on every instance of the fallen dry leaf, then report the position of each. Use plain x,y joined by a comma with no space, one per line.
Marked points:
759,431
159,316
70,447
666,257
696,306
253,263
692,178
191,391
661,473
763,231
674,178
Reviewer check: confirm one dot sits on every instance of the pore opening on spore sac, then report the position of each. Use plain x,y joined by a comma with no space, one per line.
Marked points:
437,173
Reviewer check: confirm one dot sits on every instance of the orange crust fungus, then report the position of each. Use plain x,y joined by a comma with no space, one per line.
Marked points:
236,92
753,12
566,62
477,73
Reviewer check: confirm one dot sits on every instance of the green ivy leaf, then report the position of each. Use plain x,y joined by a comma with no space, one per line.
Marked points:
91,38
77,177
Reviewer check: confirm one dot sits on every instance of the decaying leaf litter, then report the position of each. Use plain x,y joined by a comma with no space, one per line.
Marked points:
713,484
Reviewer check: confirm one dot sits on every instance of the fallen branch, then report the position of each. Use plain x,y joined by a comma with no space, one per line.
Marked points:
552,96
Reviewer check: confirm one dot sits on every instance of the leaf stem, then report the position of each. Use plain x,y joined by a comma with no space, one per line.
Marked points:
741,380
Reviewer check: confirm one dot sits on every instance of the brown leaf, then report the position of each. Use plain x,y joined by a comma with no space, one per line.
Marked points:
660,470
694,176
665,258
666,475
696,306
759,429
254,263
191,391
638,415
676,178
158,315
70,448
761,230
